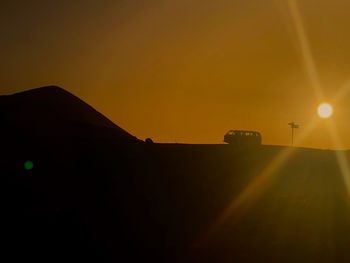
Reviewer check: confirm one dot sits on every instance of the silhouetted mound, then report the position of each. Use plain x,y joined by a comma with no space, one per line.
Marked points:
52,111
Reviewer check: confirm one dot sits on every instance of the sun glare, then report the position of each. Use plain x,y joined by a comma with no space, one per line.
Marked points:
325,110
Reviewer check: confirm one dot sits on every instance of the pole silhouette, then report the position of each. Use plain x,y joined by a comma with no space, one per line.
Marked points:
293,126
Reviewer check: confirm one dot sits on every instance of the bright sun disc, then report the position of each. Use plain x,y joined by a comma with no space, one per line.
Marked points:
325,110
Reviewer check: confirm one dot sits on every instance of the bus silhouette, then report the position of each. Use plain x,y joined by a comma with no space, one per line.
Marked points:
243,138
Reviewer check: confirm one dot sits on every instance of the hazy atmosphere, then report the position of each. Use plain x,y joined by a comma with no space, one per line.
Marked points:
186,70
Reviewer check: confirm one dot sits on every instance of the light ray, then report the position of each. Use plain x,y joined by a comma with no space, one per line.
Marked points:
340,154
262,181
338,144
309,63
342,92
253,191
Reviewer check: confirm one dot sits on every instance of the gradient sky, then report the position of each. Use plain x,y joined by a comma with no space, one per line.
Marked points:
183,70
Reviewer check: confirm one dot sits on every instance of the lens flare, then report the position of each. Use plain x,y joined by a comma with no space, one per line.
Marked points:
28,165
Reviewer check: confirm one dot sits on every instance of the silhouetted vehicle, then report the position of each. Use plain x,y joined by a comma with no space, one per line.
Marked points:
243,138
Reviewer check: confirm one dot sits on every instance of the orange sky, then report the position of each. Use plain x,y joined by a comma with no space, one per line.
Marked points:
184,70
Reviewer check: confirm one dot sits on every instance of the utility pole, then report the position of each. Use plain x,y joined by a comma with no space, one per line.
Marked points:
293,125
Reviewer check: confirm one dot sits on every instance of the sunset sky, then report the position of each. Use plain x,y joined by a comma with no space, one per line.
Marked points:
185,70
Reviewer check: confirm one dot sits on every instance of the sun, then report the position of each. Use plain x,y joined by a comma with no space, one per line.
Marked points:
325,110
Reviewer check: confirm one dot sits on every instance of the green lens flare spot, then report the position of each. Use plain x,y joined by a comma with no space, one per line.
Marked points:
28,165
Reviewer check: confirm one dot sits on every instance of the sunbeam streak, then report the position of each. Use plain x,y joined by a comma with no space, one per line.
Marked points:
340,154
237,208
262,181
309,63
342,92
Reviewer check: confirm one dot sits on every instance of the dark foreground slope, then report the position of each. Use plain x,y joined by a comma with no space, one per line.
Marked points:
106,199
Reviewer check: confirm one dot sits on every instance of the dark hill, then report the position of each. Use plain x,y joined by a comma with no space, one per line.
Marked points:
52,111
103,200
